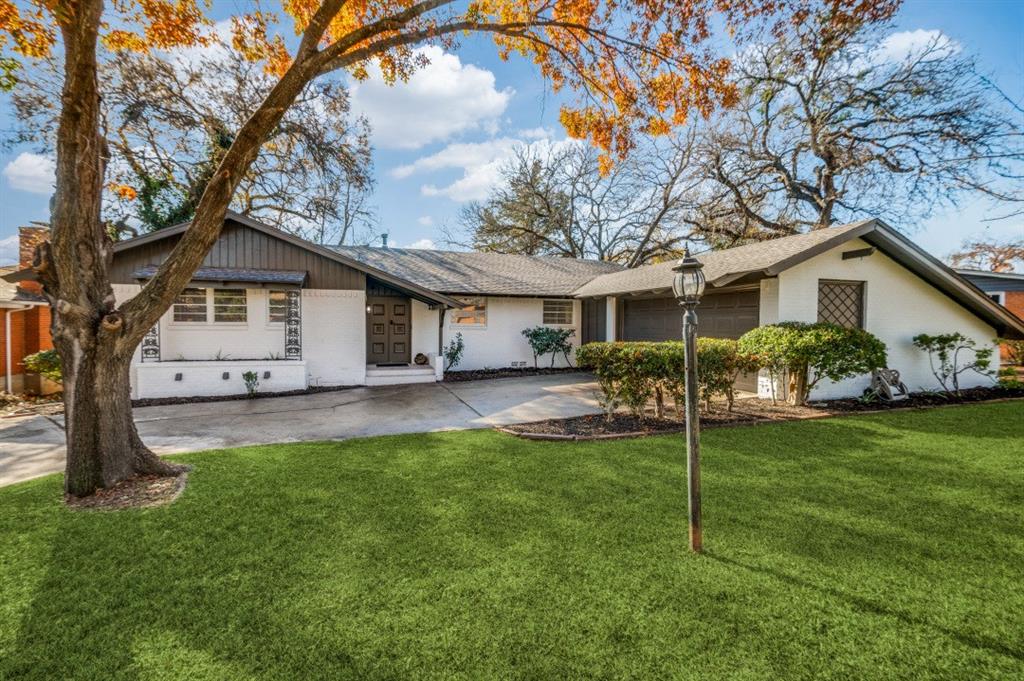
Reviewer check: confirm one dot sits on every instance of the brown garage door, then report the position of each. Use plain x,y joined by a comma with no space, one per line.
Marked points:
720,315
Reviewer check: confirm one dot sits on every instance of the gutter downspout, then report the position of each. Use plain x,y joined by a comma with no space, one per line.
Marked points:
7,344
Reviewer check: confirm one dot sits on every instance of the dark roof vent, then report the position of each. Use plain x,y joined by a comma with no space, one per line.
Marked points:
383,240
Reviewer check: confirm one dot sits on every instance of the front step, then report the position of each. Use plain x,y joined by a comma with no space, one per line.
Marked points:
376,375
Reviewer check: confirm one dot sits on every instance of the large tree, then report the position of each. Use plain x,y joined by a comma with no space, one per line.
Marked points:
637,65
171,115
836,122
554,200
992,255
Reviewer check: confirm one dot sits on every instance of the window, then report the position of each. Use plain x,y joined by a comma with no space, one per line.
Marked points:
472,313
997,296
277,307
557,312
841,302
190,306
229,305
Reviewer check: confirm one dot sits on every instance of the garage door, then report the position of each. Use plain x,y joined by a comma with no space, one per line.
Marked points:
720,315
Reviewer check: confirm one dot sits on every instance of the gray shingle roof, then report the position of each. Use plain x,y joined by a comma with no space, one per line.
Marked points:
455,272
290,277
721,266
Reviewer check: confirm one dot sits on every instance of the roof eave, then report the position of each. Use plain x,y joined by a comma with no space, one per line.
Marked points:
941,276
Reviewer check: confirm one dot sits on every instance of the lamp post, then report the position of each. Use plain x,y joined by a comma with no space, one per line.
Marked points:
688,286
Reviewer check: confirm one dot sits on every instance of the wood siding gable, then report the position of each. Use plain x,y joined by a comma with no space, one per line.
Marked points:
243,247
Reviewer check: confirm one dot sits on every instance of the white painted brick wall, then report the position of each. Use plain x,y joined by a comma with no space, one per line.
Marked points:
899,305
501,343
334,336
157,379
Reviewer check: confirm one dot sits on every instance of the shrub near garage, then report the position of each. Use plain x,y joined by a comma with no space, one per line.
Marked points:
812,352
634,373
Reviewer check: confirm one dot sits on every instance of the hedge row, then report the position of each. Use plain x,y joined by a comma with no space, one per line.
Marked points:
631,374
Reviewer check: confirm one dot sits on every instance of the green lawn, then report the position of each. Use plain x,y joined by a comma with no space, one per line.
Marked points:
876,547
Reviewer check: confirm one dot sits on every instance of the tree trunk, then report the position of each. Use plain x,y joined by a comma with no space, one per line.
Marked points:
103,444
797,386
89,334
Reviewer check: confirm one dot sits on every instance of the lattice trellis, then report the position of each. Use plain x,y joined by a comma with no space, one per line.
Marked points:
841,302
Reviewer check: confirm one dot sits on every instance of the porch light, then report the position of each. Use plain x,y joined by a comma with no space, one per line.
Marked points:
688,284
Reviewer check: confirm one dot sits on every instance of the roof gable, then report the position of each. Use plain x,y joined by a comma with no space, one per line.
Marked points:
769,258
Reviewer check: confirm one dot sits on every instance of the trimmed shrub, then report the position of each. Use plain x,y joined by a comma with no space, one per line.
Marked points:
944,358
632,374
545,340
812,352
46,363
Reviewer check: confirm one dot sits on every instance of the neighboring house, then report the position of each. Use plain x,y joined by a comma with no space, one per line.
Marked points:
24,320
1005,288
298,314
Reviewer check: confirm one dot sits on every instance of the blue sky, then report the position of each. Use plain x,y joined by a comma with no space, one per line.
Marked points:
439,139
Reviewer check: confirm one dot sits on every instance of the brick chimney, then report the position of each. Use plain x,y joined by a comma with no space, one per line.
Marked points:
28,239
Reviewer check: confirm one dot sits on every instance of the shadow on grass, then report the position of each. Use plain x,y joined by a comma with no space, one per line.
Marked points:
873,607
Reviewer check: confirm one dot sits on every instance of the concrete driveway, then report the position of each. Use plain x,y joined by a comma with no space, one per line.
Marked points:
31,446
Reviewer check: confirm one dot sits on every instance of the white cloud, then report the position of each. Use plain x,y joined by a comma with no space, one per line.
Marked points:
425,221
9,250
480,163
902,45
440,100
31,173
423,244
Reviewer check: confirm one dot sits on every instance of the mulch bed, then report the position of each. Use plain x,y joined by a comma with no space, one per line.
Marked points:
508,372
160,401
26,405
918,400
144,491
746,411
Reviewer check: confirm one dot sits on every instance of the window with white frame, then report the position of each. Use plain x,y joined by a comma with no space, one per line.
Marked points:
190,306
229,305
998,296
277,307
557,312
472,313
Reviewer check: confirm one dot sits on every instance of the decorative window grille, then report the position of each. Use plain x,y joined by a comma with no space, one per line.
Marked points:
151,344
293,326
558,312
190,306
841,302
229,305
472,313
277,307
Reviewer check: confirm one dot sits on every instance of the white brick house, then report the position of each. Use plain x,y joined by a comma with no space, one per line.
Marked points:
299,314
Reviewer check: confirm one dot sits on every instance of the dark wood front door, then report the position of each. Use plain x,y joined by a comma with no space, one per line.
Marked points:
388,330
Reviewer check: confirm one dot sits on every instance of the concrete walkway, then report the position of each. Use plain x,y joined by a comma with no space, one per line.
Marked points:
31,446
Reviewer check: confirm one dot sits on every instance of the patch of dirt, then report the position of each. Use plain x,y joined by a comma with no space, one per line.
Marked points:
508,372
160,401
746,411
144,491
